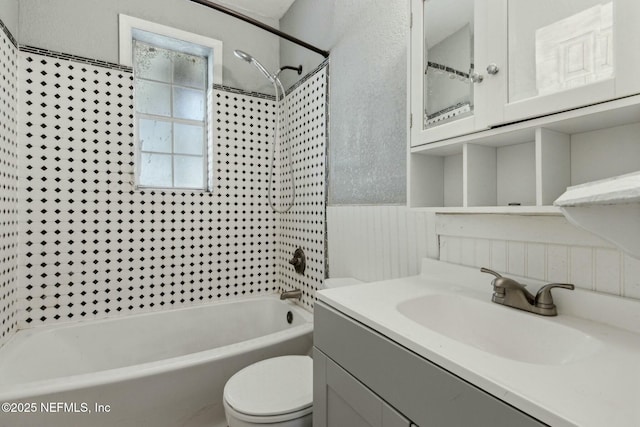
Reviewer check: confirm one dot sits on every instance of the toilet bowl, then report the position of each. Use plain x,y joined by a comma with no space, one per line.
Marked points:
277,391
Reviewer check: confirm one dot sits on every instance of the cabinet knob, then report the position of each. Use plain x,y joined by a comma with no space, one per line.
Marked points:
492,69
476,78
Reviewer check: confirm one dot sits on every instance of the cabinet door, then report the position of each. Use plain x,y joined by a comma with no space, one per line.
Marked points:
341,400
447,93
555,55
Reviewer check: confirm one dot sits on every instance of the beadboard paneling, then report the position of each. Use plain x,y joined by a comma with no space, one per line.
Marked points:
378,242
543,248
383,242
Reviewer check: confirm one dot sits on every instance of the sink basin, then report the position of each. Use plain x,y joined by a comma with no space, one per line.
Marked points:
499,330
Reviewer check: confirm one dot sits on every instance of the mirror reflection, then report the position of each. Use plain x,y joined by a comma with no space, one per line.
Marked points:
554,47
448,36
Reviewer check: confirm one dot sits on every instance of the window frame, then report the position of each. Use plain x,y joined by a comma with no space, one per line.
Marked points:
165,37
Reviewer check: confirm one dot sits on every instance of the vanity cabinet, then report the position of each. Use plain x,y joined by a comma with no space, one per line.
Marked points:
361,378
512,101
345,401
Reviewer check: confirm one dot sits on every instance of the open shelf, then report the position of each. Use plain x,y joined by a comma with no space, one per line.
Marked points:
527,164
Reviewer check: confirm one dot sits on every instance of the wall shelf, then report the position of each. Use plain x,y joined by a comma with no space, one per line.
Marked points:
608,114
504,210
531,162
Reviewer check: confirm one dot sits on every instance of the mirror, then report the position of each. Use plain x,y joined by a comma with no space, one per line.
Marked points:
448,66
558,46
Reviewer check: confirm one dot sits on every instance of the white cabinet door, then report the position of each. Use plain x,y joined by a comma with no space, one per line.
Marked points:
528,59
556,55
447,93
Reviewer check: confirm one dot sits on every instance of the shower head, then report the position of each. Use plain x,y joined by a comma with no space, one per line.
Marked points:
243,55
246,57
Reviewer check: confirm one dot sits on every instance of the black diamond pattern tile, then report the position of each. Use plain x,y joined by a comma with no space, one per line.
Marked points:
8,185
93,247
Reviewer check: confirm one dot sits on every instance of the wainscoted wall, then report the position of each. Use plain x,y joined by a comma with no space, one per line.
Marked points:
544,247
303,225
8,183
383,242
378,242
91,246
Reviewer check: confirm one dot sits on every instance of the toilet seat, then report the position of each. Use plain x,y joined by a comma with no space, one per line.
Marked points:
273,419
272,390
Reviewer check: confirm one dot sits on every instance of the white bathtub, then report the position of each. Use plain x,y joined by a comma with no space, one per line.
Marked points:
156,369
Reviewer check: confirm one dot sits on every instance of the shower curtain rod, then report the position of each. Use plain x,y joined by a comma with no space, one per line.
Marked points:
259,24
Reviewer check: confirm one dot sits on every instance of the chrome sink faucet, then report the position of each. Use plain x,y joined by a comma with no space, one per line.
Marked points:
508,292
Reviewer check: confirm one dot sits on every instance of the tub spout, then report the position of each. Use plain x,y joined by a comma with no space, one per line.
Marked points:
294,294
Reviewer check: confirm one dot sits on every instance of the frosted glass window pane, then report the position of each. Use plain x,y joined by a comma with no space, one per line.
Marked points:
188,104
189,71
189,172
153,98
154,135
155,170
188,139
152,63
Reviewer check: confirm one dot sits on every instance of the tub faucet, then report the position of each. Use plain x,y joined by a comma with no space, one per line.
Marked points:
294,294
508,292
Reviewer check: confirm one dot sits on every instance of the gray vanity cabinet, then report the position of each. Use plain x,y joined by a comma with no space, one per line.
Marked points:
362,378
345,401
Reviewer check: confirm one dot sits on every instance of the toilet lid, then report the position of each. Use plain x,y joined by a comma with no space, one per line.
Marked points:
272,386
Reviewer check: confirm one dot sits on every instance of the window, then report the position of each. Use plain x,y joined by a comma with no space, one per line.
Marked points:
170,105
173,70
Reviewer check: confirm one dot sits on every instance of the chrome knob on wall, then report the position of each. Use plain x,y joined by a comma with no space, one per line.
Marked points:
492,69
299,261
476,78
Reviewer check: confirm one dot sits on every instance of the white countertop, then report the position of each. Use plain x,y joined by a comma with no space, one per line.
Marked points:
599,389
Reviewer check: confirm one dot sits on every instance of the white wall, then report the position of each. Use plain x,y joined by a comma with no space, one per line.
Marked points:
368,116
89,28
9,15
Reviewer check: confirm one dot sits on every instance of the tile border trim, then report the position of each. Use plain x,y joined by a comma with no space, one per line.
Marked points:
75,58
6,31
243,92
308,76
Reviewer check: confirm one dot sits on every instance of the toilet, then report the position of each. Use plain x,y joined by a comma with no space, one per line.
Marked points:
276,391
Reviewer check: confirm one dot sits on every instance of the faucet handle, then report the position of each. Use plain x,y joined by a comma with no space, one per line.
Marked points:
544,298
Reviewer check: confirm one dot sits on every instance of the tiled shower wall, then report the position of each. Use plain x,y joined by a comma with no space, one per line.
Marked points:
91,246
8,183
303,225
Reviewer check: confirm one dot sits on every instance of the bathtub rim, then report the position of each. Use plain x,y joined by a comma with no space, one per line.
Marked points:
33,389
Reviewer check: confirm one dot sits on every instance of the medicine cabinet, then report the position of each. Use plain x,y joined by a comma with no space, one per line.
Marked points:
512,101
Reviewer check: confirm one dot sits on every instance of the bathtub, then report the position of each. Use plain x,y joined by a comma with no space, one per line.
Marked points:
155,369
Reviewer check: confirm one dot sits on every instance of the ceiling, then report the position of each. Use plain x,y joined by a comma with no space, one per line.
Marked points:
268,8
